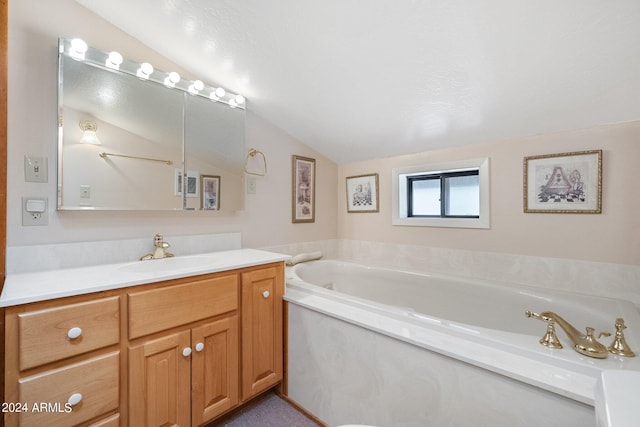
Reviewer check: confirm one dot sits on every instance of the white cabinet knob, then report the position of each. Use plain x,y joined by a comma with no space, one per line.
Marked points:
186,352
74,333
266,294
74,399
199,346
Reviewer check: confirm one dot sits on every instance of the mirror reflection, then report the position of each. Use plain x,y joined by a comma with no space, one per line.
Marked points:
127,141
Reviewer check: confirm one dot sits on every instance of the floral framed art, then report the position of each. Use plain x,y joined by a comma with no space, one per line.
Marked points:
210,195
362,193
563,183
304,189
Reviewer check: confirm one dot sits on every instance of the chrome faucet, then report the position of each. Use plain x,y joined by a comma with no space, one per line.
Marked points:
159,251
584,344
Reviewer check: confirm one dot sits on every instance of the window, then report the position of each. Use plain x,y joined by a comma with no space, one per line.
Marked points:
444,194
454,194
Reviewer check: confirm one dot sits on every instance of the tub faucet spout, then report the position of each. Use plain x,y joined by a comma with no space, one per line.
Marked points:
585,344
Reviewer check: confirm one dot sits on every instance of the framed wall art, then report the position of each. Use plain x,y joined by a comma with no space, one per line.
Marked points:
563,183
362,193
304,188
192,183
210,195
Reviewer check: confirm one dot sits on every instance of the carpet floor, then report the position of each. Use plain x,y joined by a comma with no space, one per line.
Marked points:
269,411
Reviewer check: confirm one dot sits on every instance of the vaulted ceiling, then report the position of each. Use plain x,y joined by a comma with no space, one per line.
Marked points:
358,79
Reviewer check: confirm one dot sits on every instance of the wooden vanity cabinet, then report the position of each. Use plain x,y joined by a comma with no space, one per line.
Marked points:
180,352
63,362
188,376
262,329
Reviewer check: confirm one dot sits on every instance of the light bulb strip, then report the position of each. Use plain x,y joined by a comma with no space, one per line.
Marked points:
146,71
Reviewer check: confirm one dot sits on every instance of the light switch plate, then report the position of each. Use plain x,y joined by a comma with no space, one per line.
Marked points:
251,185
35,169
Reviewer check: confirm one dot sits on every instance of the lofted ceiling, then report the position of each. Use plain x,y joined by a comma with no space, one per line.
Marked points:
363,79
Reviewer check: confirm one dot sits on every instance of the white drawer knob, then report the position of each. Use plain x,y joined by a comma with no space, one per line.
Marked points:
266,294
74,333
199,346
74,399
186,352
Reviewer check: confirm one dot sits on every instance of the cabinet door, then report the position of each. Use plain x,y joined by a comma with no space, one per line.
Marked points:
261,329
159,382
214,369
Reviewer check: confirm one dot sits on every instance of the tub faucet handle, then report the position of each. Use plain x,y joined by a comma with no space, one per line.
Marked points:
550,339
619,345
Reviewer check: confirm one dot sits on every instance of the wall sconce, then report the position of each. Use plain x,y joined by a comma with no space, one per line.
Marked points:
89,135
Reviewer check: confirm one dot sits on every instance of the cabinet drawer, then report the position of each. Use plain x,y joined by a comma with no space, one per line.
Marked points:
44,334
159,309
96,380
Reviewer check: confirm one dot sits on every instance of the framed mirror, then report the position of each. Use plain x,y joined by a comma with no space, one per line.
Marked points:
131,138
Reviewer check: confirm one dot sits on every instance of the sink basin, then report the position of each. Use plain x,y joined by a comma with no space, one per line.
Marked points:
168,265
616,399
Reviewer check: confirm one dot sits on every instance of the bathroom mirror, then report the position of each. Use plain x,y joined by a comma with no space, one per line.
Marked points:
130,138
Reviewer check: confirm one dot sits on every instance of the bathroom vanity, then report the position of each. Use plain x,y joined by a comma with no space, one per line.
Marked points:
180,344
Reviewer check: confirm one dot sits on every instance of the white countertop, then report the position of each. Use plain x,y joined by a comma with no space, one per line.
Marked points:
617,399
45,285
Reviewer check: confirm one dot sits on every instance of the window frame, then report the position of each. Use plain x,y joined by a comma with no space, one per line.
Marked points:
444,196
400,182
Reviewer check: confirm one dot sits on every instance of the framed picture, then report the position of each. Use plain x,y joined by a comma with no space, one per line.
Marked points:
563,183
304,189
192,183
362,193
210,192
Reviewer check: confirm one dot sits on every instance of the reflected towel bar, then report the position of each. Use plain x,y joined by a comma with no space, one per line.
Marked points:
103,155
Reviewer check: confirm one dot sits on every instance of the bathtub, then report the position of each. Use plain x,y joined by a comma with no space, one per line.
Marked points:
457,322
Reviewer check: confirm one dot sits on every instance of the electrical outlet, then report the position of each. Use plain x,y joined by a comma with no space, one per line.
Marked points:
35,169
34,211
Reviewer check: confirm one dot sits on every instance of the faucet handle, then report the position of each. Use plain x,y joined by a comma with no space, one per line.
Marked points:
550,339
619,345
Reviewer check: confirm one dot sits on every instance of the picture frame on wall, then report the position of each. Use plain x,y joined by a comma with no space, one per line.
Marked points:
362,193
192,183
563,183
304,189
210,192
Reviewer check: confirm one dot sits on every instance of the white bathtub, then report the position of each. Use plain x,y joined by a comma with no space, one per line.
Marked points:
472,321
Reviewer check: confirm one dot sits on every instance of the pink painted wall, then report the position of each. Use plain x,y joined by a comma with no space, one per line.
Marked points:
613,236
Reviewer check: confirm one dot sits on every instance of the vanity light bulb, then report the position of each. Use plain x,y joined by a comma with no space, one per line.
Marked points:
172,79
196,87
220,92
233,103
239,99
114,60
78,49
145,70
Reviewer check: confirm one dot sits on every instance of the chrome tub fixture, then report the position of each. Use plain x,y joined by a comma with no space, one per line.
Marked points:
159,251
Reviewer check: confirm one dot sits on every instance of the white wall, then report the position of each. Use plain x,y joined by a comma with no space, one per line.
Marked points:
34,27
